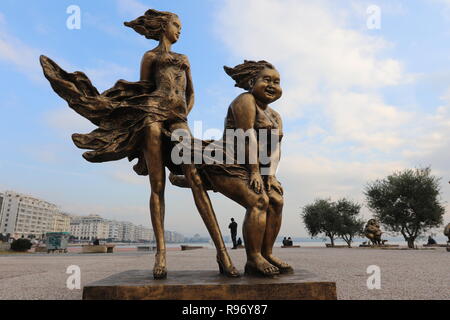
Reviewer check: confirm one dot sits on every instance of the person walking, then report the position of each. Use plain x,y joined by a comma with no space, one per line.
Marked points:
233,229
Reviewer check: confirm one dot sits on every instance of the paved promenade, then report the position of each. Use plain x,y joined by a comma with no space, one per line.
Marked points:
405,274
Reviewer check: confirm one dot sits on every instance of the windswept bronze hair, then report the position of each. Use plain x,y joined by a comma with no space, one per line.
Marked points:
151,24
247,71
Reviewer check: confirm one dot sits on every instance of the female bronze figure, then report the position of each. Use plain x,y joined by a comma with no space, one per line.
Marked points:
261,195
135,120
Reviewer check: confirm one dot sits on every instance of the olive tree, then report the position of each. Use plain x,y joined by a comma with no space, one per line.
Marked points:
350,224
407,202
333,219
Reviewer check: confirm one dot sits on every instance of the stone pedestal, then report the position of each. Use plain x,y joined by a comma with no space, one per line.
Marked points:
209,285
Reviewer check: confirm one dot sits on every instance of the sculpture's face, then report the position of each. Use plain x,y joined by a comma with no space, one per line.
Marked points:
266,87
173,30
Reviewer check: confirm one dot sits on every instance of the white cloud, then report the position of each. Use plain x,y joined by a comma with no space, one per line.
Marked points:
334,74
15,52
105,74
123,172
132,8
67,121
312,46
366,119
329,70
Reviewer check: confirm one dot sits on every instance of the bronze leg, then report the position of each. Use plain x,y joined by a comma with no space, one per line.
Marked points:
254,223
154,159
274,217
205,208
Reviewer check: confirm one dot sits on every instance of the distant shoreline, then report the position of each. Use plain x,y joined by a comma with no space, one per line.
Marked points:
311,243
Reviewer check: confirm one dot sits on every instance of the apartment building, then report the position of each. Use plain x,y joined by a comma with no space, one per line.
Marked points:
143,234
89,227
1,202
23,215
61,222
172,236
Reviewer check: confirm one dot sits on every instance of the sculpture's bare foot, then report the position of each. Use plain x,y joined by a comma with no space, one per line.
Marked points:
261,267
226,266
159,270
280,264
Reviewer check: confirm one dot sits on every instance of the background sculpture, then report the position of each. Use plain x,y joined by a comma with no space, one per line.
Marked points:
447,231
373,232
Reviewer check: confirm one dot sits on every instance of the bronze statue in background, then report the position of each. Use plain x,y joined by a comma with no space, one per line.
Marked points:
447,232
135,120
373,232
253,185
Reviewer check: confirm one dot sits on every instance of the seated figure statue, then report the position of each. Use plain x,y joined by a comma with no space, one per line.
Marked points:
447,232
373,232
252,184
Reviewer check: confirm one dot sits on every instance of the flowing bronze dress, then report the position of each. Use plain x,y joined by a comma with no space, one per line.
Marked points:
122,112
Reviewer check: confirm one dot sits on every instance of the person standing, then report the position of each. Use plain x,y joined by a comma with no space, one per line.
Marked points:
233,229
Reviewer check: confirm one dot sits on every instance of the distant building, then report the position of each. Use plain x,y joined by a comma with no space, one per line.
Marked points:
197,238
23,215
115,230
94,226
143,234
172,236
89,227
129,232
61,222
1,202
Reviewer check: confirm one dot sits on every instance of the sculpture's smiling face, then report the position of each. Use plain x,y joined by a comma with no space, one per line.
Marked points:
266,87
173,29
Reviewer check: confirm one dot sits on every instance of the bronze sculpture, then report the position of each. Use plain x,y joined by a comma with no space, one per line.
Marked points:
135,119
447,232
261,195
373,232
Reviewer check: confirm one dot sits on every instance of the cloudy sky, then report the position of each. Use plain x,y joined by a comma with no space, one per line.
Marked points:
358,104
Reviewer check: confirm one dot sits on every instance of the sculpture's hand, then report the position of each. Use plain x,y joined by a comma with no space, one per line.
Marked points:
256,182
172,178
273,183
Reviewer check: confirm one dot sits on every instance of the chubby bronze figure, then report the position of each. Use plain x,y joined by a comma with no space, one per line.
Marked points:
252,184
135,120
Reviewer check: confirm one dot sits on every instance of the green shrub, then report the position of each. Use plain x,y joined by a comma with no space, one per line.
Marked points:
21,245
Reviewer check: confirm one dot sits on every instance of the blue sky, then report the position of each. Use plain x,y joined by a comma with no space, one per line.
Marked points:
358,103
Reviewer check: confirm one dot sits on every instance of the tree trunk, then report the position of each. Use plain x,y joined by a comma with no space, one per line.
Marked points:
348,240
332,241
410,243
